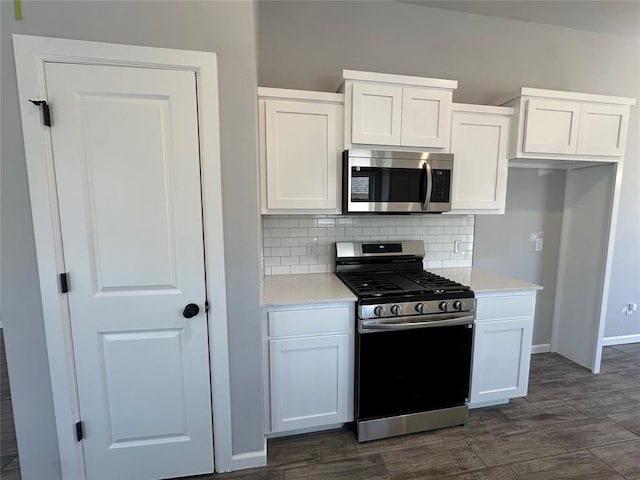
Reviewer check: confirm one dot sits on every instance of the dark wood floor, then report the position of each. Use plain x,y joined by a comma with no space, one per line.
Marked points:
572,425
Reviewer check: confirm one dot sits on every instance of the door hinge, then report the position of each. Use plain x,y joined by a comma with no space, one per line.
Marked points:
79,431
44,108
64,282
206,306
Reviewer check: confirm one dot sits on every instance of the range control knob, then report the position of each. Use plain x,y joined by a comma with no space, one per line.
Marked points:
444,306
395,309
378,311
458,305
420,308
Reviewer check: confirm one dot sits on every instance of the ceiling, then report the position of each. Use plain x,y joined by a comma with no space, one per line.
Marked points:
616,17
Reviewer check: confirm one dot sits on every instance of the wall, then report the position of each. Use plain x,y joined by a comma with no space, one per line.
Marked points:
305,45
286,237
227,28
534,204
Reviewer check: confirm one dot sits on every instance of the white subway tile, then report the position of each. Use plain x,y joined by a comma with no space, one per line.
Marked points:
270,222
271,261
379,221
452,230
290,242
335,232
299,232
396,221
282,270
428,221
436,230
404,230
353,231
318,268
317,232
361,238
420,230
464,263
362,221
271,242
457,256
289,222
299,251
459,221
434,264
443,221
279,232
326,222
371,230
290,260
412,221
299,269
326,259
447,247
429,238
435,247
345,222
388,230
280,252
267,271
471,220
449,263
266,252
466,230
324,250
443,255
444,238
307,222
308,260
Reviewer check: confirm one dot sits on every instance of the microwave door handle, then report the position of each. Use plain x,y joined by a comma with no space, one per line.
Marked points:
428,186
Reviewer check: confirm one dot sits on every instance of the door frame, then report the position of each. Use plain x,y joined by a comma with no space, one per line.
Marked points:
31,53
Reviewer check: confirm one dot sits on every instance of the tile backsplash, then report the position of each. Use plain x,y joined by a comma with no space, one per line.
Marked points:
306,243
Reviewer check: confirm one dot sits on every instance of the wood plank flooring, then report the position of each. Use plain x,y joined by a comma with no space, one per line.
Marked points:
572,425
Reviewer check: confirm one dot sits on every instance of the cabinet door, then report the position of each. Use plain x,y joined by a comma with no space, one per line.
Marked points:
551,126
603,129
501,357
302,155
376,114
309,381
426,115
479,147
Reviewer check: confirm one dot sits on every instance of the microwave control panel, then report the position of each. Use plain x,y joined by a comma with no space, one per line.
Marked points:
441,189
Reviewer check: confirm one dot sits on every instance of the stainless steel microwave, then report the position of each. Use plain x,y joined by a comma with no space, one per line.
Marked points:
379,181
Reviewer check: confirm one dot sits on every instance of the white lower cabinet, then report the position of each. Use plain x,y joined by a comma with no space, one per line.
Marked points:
502,347
310,367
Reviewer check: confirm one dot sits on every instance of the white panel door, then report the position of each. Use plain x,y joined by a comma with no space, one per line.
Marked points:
302,154
479,147
126,154
603,129
426,115
377,114
501,357
309,379
551,126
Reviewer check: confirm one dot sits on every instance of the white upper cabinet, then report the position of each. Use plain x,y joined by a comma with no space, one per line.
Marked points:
557,125
397,110
300,151
479,136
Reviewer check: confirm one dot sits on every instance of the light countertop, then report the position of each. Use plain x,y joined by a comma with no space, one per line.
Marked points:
483,281
304,288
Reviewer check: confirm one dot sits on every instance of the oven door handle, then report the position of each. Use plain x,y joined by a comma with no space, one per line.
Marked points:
367,326
427,185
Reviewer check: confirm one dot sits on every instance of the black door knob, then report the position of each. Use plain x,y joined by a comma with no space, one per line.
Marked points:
190,310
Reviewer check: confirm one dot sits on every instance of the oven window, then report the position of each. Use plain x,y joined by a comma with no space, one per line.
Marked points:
411,371
377,184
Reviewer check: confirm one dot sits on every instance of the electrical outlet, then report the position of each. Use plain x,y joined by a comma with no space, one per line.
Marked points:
312,248
539,244
629,308
456,246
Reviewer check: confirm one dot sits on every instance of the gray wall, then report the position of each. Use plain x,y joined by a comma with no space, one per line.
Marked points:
306,45
534,204
227,28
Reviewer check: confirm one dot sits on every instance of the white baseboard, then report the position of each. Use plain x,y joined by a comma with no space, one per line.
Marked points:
255,459
541,348
621,340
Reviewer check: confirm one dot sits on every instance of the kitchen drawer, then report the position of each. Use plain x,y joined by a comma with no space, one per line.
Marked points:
311,321
505,306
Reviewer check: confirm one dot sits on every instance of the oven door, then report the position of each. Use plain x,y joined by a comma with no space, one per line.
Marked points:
397,185
402,371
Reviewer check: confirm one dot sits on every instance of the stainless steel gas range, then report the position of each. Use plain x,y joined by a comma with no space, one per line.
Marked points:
413,340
